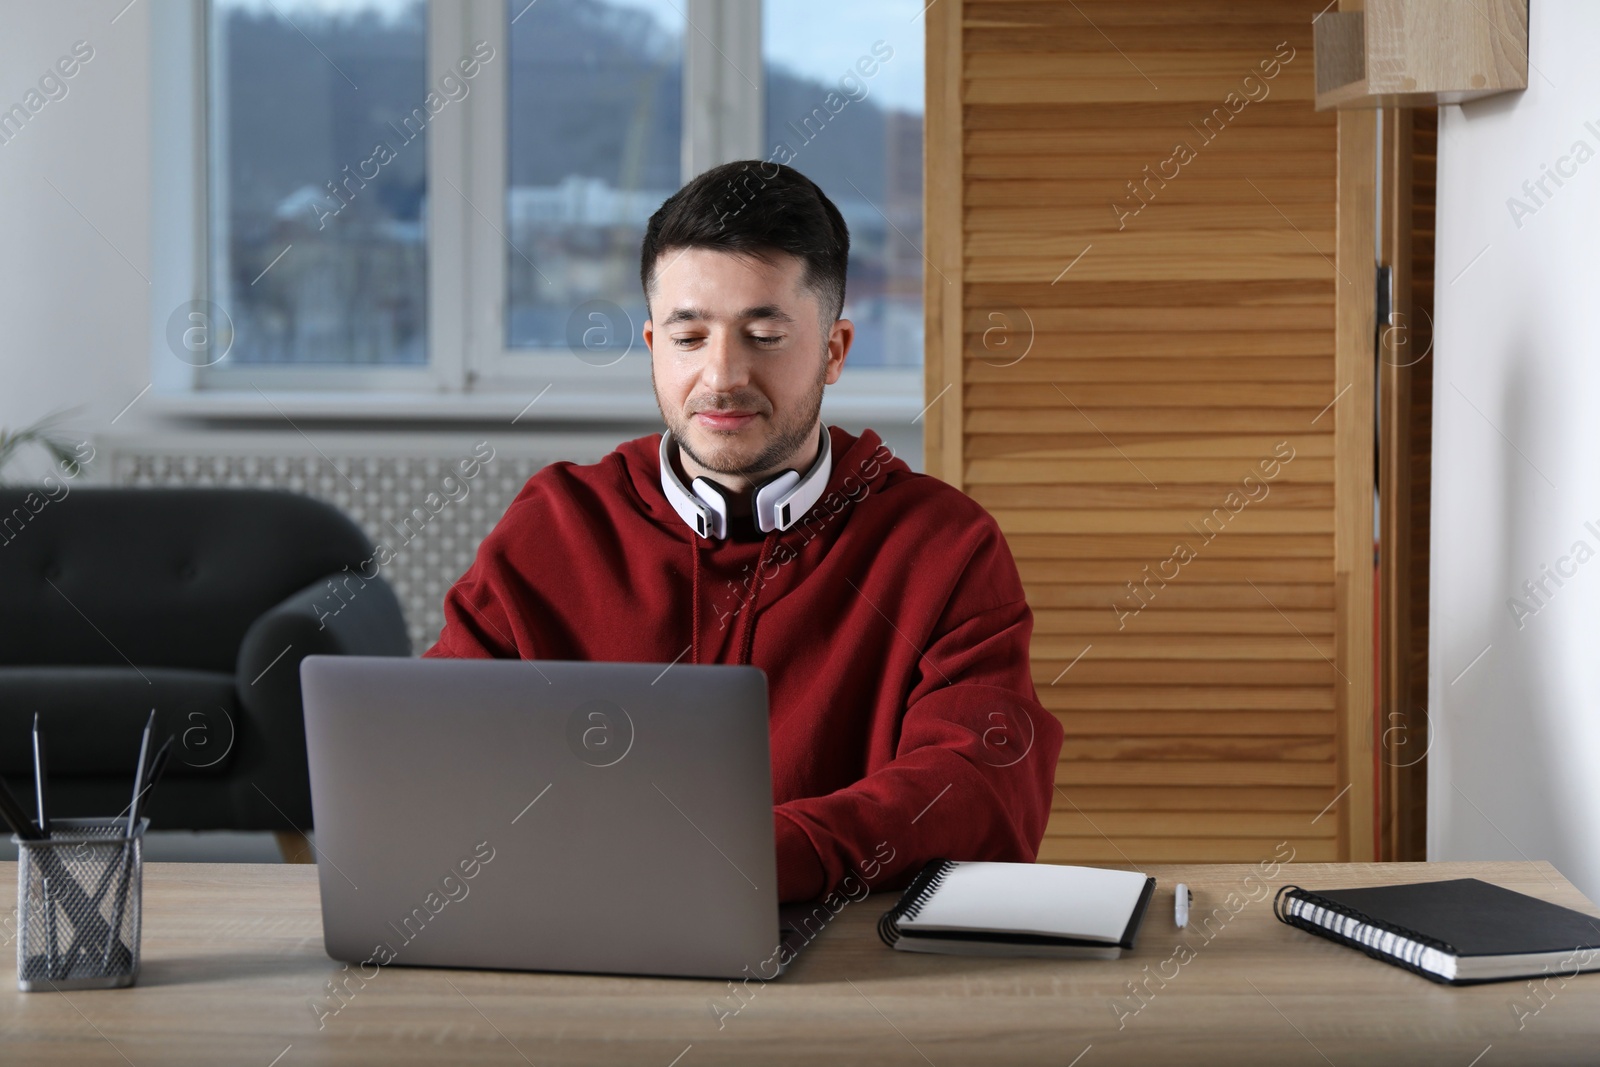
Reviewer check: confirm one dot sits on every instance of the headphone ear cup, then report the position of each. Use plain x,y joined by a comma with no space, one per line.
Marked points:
710,494
767,495
786,497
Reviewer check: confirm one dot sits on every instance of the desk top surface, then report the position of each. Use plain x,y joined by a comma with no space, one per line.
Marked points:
234,972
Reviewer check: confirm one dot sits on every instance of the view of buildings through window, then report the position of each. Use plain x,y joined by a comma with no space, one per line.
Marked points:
319,192
594,127
318,235
843,105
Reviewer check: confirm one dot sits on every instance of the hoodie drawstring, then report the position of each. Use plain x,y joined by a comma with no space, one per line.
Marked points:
748,635
694,602
747,625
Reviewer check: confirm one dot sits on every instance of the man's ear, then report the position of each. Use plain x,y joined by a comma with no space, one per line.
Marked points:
840,338
648,333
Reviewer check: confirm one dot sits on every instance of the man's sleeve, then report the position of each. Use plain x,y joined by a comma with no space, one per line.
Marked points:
972,776
479,623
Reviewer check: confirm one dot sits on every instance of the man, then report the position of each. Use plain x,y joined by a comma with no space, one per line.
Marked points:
882,604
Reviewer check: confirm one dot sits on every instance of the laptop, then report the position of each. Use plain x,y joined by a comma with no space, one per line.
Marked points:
611,818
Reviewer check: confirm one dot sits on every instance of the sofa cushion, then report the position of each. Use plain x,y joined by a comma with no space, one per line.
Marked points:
93,716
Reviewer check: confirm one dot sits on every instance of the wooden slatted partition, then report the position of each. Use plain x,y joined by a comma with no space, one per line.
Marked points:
1145,359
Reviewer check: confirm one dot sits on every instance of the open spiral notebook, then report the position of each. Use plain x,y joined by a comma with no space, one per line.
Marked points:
986,908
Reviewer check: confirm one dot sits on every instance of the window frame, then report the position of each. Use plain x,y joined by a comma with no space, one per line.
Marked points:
471,372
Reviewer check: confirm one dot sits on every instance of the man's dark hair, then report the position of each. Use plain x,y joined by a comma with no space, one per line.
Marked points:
756,207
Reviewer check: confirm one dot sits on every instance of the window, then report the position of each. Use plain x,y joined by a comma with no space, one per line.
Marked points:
318,180
594,128
446,199
844,105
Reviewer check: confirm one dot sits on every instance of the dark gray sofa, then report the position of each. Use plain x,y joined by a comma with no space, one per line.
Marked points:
199,603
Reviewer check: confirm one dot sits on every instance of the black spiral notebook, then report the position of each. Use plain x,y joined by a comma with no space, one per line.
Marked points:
987,908
1459,931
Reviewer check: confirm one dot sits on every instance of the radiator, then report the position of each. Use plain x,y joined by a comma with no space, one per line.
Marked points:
382,482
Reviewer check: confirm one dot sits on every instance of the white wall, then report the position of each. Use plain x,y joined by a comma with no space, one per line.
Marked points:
74,295
1516,455
73,310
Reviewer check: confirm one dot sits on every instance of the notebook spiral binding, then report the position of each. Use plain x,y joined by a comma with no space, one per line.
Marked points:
1409,959
911,901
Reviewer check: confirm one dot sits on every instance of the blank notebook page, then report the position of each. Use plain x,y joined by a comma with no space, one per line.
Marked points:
1031,898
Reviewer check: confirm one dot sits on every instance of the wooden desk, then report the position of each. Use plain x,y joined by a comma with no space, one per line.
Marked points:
233,963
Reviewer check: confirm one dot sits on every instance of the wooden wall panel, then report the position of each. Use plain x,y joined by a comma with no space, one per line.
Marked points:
1145,321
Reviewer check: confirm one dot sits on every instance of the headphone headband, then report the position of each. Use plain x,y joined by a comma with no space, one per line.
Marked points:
776,503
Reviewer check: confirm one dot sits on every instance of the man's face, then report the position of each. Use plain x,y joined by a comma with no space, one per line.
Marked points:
738,359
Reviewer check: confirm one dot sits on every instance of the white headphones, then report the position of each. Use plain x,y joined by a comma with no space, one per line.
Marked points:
778,503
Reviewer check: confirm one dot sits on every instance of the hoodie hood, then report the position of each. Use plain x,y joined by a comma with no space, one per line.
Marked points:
861,465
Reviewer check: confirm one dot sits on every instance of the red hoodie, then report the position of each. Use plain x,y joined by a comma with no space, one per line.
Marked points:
890,622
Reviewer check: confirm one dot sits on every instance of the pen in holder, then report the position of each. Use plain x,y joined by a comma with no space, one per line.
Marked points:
78,904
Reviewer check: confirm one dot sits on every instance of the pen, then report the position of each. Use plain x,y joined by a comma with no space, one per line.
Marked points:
114,932
39,777
48,898
157,765
91,904
138,770
1180,905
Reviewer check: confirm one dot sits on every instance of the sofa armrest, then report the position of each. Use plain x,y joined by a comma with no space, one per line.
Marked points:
341,614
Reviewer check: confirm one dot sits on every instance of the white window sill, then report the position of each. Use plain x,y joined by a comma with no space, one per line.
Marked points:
859,397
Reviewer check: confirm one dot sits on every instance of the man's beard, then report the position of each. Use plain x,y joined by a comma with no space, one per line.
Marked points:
789,437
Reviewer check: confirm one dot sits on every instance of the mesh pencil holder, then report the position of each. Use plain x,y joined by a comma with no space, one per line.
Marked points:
78,905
